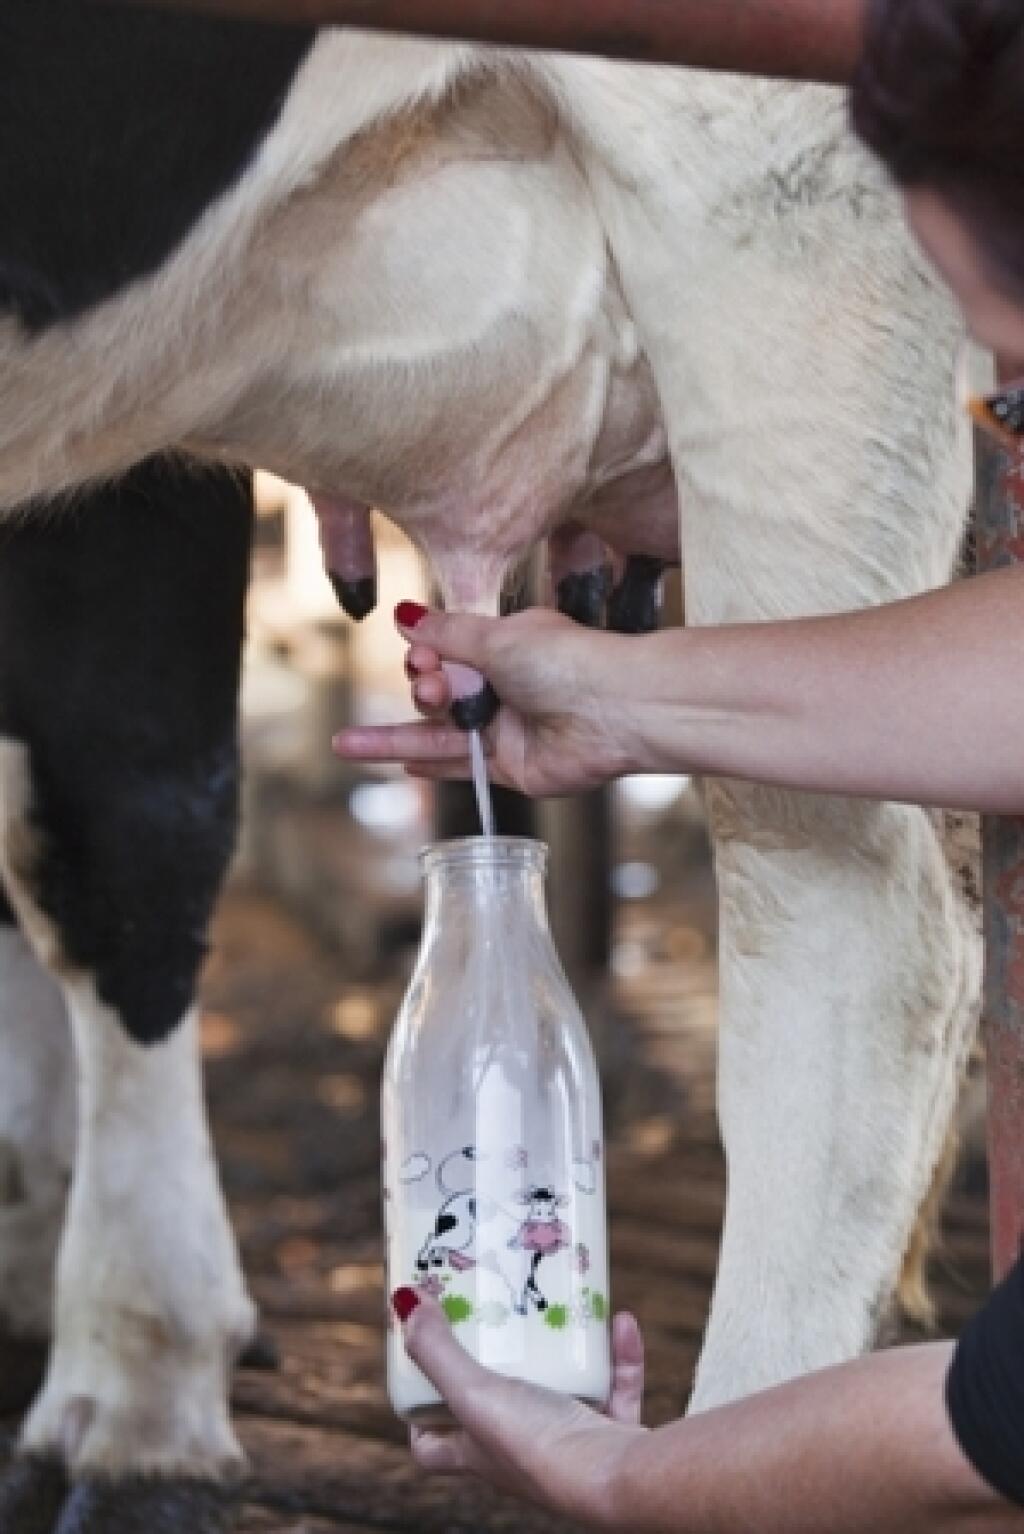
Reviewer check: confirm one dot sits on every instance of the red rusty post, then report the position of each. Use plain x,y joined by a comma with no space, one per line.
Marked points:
1001,543
795,39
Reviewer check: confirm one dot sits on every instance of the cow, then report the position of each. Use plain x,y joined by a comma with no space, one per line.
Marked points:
452,1242
497,297
541,1234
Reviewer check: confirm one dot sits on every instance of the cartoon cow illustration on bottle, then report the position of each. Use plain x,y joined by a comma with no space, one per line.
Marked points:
483,1237
452,1240
462,1239
541,1234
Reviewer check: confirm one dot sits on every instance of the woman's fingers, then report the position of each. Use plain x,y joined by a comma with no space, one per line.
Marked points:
461,688
431,687
421,660
479,1400
403,743
456,636
432,696
625,1404
442,1453
534,1442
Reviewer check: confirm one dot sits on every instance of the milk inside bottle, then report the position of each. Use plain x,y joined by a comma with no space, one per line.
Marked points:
493,1144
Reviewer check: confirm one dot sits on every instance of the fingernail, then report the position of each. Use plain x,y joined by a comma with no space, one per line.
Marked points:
409,614
404,1302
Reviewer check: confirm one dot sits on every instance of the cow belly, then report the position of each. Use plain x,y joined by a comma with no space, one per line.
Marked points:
430,324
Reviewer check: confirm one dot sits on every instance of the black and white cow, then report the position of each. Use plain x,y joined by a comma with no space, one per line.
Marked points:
496,297
452,1242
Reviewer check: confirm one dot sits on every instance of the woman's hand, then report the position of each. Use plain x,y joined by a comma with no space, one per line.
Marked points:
565,720
548,1448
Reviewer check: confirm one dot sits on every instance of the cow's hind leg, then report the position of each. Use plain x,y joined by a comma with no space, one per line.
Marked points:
850,965
37,1127
849,984
118,786
850,973
848,988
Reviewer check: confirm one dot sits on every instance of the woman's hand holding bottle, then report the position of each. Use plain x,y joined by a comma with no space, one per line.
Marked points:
534,1443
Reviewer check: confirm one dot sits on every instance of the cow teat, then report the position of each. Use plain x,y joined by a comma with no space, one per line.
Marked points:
346,537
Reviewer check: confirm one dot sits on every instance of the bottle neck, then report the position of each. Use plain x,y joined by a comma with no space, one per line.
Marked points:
487,889
479,894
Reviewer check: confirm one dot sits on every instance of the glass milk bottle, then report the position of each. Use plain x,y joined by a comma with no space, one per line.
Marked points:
493,1150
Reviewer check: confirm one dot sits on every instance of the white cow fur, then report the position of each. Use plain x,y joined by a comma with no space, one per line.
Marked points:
151,1305
484,295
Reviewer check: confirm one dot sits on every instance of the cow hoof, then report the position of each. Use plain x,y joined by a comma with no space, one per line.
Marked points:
32,1492
22,1370
141,1505
262,1355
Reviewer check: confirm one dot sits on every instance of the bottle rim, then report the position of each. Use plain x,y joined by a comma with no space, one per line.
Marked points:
485,852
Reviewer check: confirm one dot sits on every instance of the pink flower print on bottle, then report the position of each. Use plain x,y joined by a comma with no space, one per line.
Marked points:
541,1234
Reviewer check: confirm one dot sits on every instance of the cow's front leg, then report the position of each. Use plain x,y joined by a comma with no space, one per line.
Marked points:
151,1306
120,634
37,1130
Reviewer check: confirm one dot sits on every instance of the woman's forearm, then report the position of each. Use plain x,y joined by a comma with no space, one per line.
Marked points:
863,1449
920,700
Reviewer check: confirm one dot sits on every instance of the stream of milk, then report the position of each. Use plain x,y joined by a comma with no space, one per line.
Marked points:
481,782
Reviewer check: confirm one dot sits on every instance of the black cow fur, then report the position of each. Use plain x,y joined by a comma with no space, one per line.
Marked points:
120,641
117,129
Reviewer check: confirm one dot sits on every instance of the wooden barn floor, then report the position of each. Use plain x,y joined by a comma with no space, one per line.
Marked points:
293,1058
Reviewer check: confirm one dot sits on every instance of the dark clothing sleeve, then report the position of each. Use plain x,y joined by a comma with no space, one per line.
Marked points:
985,1390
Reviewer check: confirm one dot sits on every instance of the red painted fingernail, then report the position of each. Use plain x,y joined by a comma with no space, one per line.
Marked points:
408,614
404,1302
